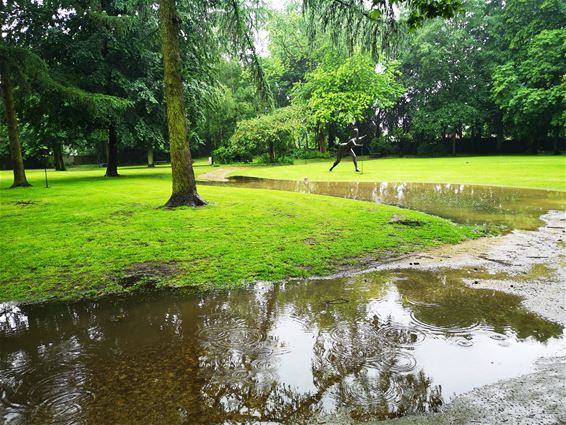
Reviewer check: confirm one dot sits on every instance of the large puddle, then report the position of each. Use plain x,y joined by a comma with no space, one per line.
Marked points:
372,346
485,205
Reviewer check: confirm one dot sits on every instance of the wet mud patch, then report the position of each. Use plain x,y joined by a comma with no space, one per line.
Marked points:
529,264
24,204
145,275
405,221
310,241
122,213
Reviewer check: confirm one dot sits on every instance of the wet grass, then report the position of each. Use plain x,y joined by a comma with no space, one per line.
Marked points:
88,235
544,172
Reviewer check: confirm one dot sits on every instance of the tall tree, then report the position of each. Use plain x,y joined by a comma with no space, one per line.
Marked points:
529,86
337,93
50,96
20,179
184,183
234,22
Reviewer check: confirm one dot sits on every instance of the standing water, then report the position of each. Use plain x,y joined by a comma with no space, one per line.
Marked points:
514,208
373,346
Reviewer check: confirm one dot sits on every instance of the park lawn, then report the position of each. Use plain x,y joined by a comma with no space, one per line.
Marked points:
544,172
86,235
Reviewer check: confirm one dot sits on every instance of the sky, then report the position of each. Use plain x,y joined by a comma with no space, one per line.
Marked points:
277,4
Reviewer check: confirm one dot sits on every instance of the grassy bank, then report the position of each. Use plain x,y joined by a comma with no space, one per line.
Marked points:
88,235
544,172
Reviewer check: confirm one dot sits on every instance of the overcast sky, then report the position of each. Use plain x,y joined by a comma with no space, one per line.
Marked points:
277,4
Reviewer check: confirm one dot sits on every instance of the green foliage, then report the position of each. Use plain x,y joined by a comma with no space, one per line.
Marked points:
340,93
291,54
312,154
446,69
237,25
361,25
384,146
531,92
29,68
273,135
432,149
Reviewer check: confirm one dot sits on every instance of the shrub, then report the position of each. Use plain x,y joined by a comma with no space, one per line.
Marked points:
275,135
384,146
311,154
432,149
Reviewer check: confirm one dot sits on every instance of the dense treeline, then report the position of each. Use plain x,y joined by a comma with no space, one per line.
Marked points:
85,78
490,80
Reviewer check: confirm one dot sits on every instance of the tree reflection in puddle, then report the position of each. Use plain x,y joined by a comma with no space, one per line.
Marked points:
397,343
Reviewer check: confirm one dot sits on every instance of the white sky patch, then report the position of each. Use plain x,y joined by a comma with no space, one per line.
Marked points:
262,36
278,4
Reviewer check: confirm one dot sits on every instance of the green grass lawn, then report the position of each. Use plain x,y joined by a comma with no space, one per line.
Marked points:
545,172
87,235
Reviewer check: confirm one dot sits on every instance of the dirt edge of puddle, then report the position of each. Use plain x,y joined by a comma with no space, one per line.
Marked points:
531,265
535,398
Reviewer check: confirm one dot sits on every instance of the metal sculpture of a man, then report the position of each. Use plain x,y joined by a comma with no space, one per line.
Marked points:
348,149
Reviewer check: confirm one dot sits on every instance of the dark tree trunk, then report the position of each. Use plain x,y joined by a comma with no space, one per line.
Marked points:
150,161
556,144
331,135
184,183
112,154
20,179
58,157
271,152
476,137
454,143
321,140
499,136
533,145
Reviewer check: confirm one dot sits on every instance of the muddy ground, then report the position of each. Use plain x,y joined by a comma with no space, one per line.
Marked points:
530,264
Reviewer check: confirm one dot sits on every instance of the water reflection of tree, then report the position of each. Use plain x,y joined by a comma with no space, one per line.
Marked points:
150,361
212,359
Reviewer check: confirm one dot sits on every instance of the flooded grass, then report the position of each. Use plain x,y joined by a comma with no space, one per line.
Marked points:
542,172
496,208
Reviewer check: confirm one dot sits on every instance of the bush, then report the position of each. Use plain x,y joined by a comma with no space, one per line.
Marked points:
274,135
281,160
311,154
384,146
232,153
432,149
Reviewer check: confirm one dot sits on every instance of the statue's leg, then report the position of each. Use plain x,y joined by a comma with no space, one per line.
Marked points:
355,159
338,159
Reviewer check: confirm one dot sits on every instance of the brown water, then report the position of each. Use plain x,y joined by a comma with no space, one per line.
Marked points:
372,346
484,205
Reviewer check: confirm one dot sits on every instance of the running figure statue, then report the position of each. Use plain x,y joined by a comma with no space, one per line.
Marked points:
348,149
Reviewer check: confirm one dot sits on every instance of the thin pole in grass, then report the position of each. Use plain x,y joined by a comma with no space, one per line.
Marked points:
45,153
363,158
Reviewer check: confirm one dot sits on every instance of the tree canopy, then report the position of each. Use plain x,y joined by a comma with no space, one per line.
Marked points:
419,77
